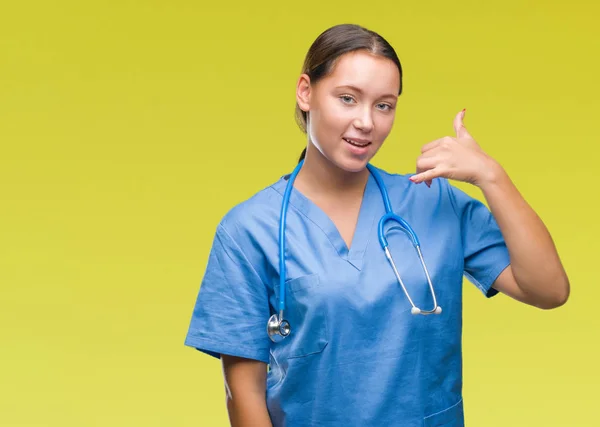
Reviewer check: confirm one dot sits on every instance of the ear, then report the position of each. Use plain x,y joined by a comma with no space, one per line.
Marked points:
303,91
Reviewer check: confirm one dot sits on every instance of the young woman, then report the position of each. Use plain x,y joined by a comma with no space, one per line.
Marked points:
359,335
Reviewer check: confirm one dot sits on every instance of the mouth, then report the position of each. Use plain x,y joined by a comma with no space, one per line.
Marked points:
361,143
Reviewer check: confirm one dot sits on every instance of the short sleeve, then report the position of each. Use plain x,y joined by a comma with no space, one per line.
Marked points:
232,309
484,248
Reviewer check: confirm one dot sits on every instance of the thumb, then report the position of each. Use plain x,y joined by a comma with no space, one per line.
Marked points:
459,127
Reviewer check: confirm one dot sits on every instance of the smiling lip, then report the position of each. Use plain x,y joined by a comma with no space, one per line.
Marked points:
357,141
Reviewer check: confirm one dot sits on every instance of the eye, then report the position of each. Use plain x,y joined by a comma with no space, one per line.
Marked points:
385,107
347,99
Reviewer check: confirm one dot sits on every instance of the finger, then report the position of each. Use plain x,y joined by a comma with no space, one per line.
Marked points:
431,145
426,162
433,152
426,176
459,126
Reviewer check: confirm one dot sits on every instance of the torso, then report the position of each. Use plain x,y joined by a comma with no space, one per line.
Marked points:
356,355
351,322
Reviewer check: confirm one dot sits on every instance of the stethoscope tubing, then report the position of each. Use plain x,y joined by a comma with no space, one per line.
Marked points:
277,325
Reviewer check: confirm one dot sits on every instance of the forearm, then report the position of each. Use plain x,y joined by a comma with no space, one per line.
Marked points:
248,410
245,391
534,260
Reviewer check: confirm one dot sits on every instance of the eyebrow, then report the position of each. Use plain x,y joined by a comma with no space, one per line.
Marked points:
356,89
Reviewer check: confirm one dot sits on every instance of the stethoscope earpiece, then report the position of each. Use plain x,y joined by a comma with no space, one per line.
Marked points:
417,310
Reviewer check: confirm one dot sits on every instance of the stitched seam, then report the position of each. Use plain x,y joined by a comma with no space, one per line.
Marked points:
218,347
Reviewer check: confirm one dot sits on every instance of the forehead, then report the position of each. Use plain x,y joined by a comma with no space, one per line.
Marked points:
373,74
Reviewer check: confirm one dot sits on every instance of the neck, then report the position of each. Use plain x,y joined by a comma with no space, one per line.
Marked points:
319,176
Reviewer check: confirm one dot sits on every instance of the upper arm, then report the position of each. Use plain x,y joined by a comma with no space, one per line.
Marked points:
486,257
232,307
243,375
506,283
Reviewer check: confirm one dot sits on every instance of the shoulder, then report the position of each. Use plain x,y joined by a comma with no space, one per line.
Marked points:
431,202
392,179
255,214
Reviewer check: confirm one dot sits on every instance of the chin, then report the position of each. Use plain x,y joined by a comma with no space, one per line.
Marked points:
353,165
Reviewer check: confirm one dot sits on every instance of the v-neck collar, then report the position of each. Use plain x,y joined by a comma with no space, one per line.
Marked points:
364,225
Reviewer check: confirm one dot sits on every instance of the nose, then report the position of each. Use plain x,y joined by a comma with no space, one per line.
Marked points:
364,120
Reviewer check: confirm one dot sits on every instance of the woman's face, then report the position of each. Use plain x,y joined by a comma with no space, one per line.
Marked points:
351,111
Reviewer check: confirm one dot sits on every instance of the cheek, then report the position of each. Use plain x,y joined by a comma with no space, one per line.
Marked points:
331,119
333,111
383,127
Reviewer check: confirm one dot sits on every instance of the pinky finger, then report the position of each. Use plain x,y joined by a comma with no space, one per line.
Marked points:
426,177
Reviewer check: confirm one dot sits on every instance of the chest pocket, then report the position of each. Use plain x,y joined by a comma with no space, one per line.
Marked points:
306,312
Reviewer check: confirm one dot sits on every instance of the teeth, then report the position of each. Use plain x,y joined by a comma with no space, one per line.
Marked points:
356,143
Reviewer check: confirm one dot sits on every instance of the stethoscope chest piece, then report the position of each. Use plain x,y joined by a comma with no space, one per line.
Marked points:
277,329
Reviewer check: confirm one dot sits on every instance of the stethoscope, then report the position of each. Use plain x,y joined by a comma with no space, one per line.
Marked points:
277,327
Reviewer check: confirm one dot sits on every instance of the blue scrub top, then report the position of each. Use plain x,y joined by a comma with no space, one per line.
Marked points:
356,355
